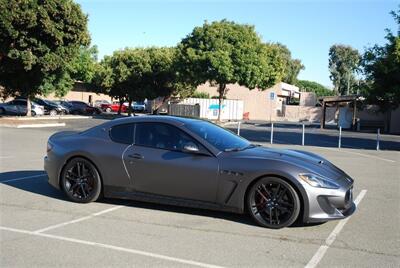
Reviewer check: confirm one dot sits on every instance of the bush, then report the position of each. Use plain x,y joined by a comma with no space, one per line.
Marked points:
200,95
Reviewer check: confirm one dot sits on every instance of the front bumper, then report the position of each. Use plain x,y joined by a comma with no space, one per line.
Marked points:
52,172
329,204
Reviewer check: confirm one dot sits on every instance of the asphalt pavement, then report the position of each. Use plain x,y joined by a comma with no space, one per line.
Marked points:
39,227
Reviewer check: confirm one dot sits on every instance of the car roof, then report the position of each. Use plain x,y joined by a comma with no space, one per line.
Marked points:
156,118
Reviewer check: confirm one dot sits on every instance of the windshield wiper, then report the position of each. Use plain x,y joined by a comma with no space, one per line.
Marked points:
237,149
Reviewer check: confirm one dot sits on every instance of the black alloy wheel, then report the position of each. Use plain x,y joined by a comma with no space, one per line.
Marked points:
273,203
80,181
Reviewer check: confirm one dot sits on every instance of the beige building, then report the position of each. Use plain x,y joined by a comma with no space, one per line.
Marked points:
269,104
81,93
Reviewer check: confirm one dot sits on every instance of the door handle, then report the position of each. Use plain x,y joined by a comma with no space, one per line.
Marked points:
135,156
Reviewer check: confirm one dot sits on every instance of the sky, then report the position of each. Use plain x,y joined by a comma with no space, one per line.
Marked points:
307,28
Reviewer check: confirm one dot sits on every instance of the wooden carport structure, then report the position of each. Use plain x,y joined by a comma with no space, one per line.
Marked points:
336,100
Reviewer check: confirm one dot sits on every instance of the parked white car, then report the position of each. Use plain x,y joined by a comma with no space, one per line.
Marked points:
18,107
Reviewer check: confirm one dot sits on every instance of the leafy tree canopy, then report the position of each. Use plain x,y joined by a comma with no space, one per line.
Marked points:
38,39
343,63
83,66
381,65
225,52
139,73
292,67
311,86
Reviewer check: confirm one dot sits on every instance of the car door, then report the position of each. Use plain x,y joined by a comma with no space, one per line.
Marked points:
11,107
21,108
158,165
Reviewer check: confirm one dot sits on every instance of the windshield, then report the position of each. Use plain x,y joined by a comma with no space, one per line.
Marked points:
219,137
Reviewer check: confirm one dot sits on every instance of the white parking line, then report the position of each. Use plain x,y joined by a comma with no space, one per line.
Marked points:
331,238
365,155
24,178
77,220
6,157
116,248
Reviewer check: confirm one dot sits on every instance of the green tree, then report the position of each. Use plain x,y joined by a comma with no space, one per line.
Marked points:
311,86
200,95
292,66
83,66
381,66
225,52
38,40
343,63
139,73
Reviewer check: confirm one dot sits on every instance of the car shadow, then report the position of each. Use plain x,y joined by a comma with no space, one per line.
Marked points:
35,181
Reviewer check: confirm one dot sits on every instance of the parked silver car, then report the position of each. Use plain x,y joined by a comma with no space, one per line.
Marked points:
19,107
195,163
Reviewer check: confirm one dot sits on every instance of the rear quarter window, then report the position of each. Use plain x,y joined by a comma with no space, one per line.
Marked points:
122,133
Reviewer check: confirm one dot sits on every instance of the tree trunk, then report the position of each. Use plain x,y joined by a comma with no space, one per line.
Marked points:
221,94
28,106
130,107
121,102
348,83
158,106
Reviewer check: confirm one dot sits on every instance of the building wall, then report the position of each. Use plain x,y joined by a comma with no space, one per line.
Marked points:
295,113
395,121
80,96
255,102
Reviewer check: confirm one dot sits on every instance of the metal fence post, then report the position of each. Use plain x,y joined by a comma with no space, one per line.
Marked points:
302,137
238,129
272,133
340,137
378,136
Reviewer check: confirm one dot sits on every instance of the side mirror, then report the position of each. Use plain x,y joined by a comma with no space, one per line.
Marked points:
190,147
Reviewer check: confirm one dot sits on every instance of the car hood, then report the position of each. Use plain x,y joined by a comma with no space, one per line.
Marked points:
307,161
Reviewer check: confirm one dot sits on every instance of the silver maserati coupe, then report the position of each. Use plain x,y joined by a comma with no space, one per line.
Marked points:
194,163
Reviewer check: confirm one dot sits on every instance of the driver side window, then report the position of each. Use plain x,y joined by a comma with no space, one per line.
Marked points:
161,136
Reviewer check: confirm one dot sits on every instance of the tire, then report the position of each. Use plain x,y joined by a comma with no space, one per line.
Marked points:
80,181
273,203
33,113
53,112
108,110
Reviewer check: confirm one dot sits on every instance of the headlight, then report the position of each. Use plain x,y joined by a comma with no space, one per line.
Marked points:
318,181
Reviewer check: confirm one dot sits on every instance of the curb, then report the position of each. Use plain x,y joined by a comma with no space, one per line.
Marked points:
34,125
46,118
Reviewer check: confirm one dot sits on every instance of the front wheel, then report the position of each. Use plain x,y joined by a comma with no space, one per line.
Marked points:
80,181
273,203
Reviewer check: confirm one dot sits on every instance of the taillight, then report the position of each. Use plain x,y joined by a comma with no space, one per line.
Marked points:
49,146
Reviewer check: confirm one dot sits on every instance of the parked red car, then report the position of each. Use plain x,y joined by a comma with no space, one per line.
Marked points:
113,107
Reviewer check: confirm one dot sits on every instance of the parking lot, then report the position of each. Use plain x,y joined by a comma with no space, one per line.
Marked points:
39,227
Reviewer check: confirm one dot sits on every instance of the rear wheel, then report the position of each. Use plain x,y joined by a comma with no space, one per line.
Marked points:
53,113
273,203
80,181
